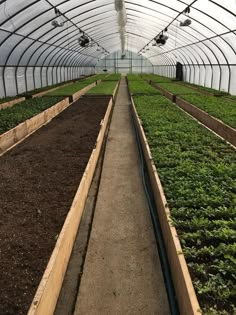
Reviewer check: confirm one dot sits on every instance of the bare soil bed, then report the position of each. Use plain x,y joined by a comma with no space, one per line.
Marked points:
39,179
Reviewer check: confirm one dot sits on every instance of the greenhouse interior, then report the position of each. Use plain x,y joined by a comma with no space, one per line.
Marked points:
117,157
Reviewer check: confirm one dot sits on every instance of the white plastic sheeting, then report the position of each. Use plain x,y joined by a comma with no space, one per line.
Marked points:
206,48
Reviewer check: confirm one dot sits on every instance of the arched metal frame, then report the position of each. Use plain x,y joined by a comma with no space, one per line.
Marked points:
56,50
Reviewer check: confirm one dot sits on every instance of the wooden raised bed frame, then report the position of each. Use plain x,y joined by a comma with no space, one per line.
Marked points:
24,129
45,299
186,296
12,103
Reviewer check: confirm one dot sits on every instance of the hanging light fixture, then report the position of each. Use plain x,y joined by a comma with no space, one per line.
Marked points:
84,41
186,22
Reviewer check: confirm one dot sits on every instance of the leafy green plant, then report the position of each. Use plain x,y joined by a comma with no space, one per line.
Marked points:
12,116
198,173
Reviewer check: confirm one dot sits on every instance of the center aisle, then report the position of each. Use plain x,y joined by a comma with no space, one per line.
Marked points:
122,272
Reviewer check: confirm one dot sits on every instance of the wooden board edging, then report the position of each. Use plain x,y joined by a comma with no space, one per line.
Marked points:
216,125
11,103
186,296
45,299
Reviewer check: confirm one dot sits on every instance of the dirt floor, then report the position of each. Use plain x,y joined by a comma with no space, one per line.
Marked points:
39,178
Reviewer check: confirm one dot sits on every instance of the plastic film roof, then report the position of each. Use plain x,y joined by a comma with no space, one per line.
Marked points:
28,38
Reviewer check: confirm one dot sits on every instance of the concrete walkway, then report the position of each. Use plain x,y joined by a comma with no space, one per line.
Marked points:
122,273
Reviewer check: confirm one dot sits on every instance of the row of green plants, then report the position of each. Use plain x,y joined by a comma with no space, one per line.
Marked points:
218,107
198,173
177,89
12,116
134,77
73,88
206,89
8,99
112,77
45,88
155,78
104,88
222,109
141,87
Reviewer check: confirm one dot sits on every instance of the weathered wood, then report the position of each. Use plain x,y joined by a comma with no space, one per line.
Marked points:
185,293
218,126
45,299
11,103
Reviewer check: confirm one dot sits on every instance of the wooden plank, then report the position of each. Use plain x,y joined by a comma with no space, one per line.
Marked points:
216,125
45,299
185,292
11,103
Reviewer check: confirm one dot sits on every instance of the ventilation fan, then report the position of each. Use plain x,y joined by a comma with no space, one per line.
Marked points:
187,22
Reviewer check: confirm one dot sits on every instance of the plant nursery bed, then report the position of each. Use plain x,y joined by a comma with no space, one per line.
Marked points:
10,101
226,112
40,177
192,172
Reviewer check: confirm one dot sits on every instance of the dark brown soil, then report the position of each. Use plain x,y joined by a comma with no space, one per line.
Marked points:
39,179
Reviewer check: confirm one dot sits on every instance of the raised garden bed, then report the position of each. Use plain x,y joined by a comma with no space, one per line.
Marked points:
134,77
74,91
141,87
178,89
104,88
217,107
11,117
197,171
156,78
10,101
112,77
41,176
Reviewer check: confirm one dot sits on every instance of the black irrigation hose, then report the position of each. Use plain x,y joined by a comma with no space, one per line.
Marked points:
174,310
